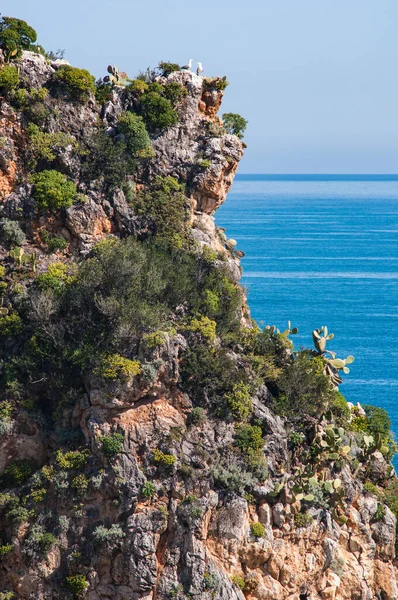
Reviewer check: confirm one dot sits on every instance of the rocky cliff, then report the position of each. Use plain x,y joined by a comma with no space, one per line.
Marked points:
154,443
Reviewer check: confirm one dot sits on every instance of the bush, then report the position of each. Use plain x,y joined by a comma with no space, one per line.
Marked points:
303,519
391,496
370,488
154,339
232,478
257,530
168,67
174,92
80,483
108,535
17,472
52,190
148,489
47,541
9,78
249,439
238,581
112,444
46,146
18,514
197,416
15,35
134,131
77,585
165,459
157,111
205,327
305,390
79,83
54,242
238,402
137,87
115,366
10,324
378,420
234,124
55,279
74,459
4,550
11,232
165,204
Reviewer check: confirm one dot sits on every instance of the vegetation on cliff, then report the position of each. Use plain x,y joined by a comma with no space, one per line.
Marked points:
120,297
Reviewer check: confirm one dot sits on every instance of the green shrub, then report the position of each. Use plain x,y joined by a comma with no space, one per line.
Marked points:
379,513
74,459
305,390
302,519
15,35
112,444
174,92
79,83
47,541
157,111
211,581
9,78
197,416
249,439
154,339
77,585
238,581
10,324
18,514
204,326
168,67
378,419
108,160
46,146
148,489
115,366
165,459
234,124
80,483
165,204
108,535
391,496
52,190
54,242
370,488
257,529
17,472
238,402
4,550
204,163
11,232
134,131
137,87
56,278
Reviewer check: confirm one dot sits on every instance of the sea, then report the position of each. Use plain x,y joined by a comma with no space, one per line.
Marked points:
323,250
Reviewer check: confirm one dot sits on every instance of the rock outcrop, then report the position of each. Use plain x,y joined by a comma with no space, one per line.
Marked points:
167,514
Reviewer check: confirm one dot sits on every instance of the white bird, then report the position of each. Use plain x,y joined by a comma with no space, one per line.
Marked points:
187,67
199,70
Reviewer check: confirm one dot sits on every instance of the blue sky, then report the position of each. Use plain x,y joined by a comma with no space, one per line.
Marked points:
316,79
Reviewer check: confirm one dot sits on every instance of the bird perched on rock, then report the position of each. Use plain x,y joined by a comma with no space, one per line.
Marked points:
199,70
188,66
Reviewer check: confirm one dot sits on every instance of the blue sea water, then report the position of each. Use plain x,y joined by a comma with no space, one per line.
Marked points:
323,250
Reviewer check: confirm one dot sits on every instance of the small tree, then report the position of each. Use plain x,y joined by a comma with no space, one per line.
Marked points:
15,35
234,124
